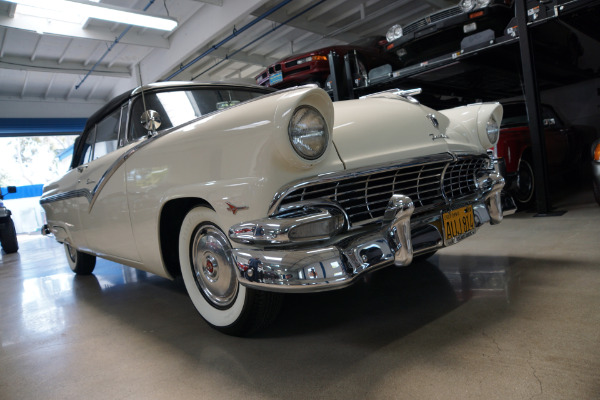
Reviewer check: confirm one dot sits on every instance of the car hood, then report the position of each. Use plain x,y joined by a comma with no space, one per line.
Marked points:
389,129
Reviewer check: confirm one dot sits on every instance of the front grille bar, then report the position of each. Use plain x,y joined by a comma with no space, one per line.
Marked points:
364,196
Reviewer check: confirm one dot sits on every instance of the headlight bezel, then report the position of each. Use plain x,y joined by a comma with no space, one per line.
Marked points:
471,5
492,130
301,142
395,32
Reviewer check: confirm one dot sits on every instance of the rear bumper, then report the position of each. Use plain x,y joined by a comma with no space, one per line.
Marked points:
339,261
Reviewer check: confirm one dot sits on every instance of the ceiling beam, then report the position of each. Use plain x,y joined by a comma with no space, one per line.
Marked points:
36,24
62,56
213,2
49,86
93,89
209,23
36,48
91,56
25,81
24,64
375,14
47,108
303,23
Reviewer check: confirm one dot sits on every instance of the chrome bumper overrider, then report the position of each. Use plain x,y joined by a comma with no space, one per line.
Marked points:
335,260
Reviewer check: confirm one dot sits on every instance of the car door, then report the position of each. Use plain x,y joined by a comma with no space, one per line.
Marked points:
105,220
557,143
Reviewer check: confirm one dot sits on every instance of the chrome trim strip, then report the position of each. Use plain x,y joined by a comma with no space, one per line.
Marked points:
67,195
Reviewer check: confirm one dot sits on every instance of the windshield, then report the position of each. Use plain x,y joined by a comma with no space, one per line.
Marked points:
178,107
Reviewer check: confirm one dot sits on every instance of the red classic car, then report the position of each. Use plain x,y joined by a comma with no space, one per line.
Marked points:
563,148
596,170
313,67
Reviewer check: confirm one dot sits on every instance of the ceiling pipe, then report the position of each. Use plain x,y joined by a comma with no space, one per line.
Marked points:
110,48
227,39
260,37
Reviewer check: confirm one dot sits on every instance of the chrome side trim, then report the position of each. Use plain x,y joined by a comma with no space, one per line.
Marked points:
92,195
67,195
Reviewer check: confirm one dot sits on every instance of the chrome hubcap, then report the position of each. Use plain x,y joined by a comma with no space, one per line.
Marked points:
524,183
213,267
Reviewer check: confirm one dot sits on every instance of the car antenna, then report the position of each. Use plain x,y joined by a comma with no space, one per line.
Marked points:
142,86
150,119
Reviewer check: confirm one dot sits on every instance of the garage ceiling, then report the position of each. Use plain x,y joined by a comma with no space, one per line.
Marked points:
44,75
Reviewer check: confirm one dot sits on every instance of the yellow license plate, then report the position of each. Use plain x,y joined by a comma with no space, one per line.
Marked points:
458,224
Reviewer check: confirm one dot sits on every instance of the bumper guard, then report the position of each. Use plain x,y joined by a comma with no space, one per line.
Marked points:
335,260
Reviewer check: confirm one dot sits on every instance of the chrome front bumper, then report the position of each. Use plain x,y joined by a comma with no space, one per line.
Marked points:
331,264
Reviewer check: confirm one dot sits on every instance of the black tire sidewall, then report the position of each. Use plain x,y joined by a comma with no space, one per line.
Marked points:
8,237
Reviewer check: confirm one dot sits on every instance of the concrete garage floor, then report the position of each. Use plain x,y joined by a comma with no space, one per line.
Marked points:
512,313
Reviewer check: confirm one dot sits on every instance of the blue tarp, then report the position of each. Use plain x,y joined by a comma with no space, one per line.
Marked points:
23,192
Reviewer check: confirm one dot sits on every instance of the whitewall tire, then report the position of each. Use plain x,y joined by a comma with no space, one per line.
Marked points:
80,263
210,277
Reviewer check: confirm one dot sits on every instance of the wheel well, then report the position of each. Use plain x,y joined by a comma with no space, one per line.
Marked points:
171,218
526,154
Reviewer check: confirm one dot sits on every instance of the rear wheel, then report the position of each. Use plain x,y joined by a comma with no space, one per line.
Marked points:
209,274
525,192
80,263
8,237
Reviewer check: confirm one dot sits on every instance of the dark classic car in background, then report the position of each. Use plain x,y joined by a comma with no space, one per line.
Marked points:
8,234
564,148
248,192
468,24
596,170
313,66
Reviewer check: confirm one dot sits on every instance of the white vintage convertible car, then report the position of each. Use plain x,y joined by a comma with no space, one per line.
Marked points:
248,193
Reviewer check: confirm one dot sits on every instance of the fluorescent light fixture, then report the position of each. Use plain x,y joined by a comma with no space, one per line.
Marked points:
81,9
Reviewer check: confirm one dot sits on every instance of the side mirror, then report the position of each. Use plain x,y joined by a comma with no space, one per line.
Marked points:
11,189
151,120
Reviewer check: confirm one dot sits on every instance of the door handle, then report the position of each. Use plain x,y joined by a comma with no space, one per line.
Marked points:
89,181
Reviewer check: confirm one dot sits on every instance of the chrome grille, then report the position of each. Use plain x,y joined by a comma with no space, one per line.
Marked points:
364,197
459,179
430,19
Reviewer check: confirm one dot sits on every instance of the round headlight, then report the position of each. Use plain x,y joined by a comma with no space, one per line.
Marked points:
308,133
492,130
394,33
467,5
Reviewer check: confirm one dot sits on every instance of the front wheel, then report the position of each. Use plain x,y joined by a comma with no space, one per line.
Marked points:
80,263
8,237
209,274
525,192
